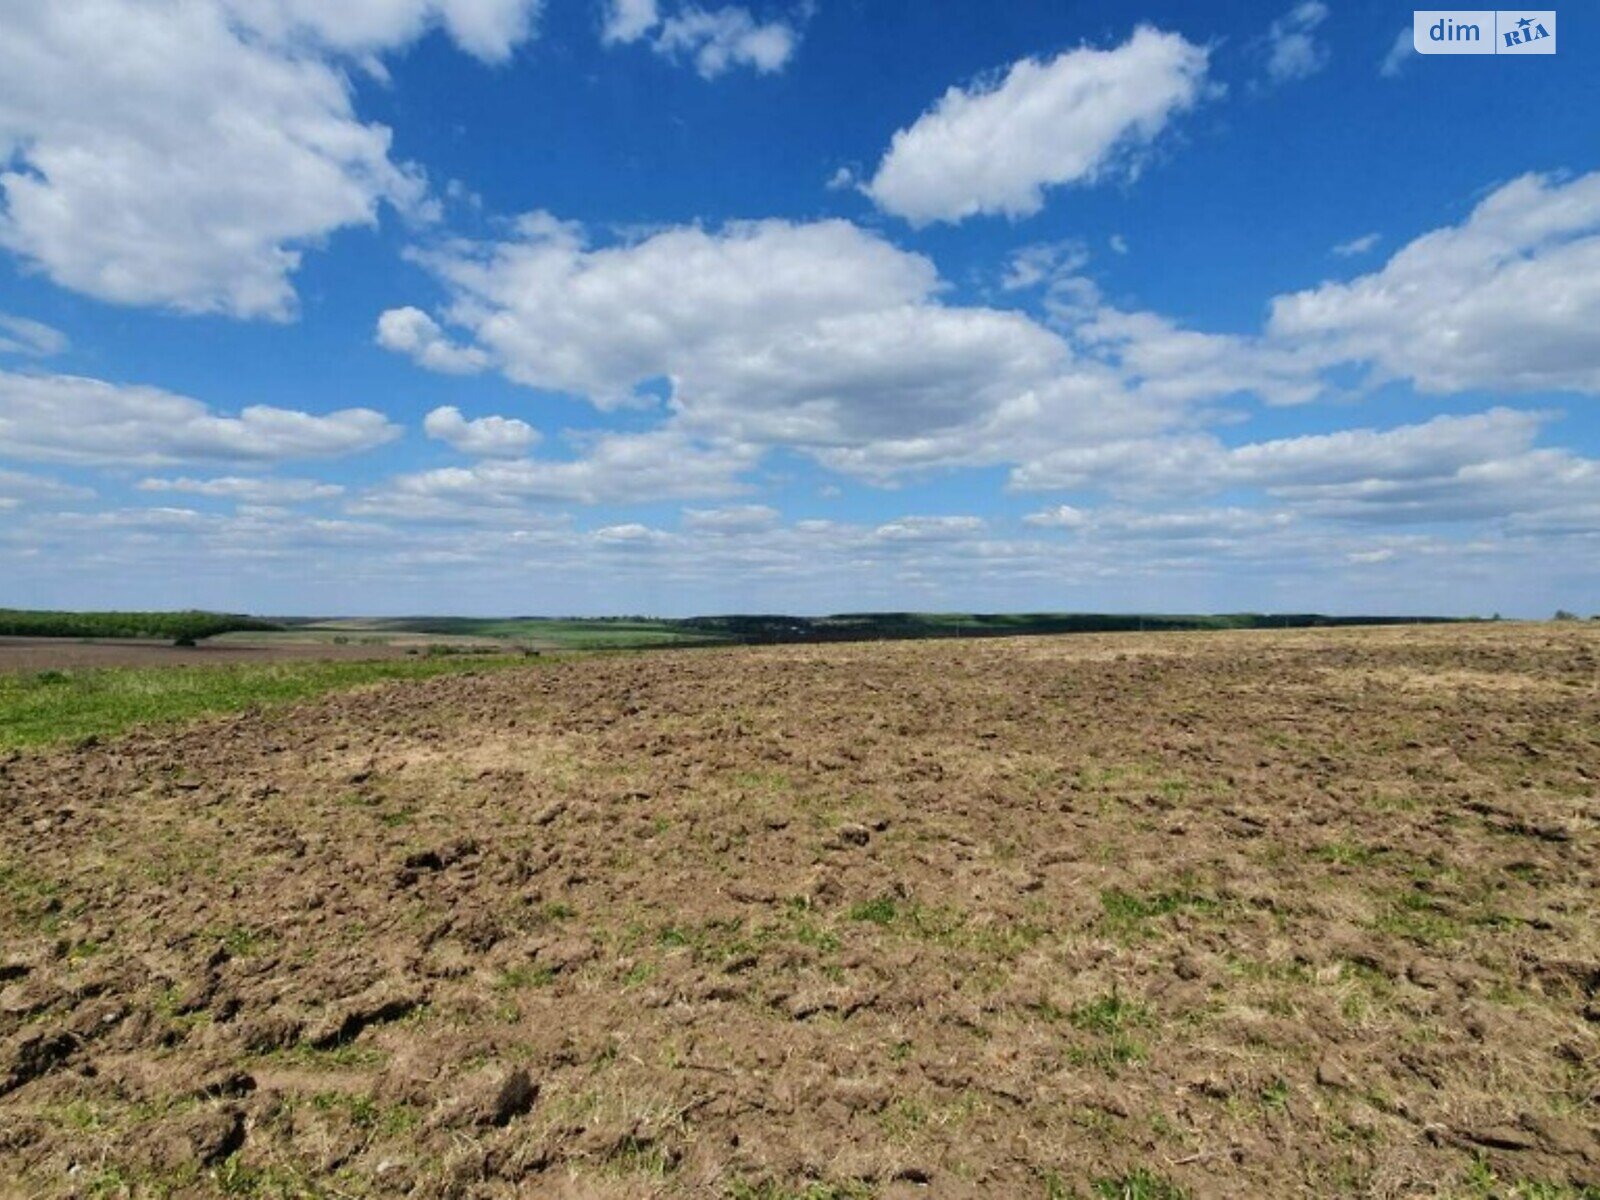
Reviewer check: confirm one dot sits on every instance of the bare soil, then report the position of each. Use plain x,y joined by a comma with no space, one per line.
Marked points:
1268,914
62,654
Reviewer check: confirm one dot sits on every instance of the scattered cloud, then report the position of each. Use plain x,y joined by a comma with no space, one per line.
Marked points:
32,339
738,518
486,437
1482,466
247,489
1358,246
822,337
71,419
1043,263
1400,50
1293,51
21,487
612,468
841,180
996,146
715,40
412,332
1509,298
628,20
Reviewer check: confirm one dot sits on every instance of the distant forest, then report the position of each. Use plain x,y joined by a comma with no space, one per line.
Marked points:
173,626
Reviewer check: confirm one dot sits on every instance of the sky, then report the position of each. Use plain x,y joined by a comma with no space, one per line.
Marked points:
643,306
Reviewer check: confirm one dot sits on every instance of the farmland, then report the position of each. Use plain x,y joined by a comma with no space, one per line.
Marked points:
1248,912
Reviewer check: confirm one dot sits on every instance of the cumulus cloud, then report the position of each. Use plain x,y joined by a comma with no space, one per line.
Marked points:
827,339
486,437
1293,51
71,419
201,147
246,489
413,332
34,339
821,336
1509,298
714,40
997,146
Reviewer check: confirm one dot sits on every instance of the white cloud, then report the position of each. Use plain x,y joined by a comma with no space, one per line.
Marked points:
612,468
1199,463
996,147
1478,467
1400,50
822,336
1062,516
1293,51
488,437
714,40
1188,525
486,29
1357,246
71,419
1044,262
1171,365
413,332
826,339
35,339
629,20
201,147
20,487
1369,557
1509,298
247,489
929,529
737,518
630,533
1118,243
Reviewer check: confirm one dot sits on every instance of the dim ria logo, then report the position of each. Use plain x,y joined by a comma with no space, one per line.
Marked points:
1484,31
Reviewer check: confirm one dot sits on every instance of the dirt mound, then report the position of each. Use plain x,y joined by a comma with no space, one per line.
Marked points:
1270,914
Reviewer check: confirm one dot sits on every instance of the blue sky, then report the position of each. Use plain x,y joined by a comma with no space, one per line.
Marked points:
488,306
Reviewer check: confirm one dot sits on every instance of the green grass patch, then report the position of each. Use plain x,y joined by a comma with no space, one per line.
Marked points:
1128,912
54,706
1138,1184
1109,1014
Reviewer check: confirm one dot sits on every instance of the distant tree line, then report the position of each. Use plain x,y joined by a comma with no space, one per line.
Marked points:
183,627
